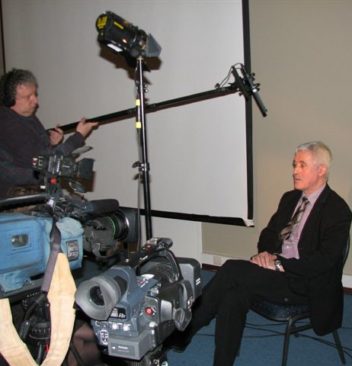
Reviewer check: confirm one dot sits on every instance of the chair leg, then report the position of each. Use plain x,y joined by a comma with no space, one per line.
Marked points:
286,343
339,346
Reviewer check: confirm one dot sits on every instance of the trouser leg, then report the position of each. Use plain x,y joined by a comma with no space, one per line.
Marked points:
212,294
230,322
224,281
228,297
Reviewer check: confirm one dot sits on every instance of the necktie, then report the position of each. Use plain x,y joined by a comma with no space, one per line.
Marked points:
295,219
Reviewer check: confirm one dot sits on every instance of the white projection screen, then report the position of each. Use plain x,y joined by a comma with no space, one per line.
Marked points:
200,153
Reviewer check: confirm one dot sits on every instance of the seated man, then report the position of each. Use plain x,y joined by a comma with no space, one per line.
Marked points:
299,260
22,134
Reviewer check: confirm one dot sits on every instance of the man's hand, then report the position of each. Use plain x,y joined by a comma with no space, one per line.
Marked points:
85,128
56,136
265,260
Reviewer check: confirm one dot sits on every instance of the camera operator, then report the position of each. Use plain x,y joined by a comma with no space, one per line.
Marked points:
23,137
22,134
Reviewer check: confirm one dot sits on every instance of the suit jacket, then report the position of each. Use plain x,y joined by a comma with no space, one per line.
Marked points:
317,273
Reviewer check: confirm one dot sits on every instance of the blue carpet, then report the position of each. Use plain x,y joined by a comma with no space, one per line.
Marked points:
262,345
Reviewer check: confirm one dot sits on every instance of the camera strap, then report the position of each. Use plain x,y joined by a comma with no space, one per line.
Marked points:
62,312
61,288
12,347
61,296
55,249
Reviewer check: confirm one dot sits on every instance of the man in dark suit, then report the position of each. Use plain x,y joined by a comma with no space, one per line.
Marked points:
299,259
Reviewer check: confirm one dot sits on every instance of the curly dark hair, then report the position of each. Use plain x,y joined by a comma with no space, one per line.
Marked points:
9,83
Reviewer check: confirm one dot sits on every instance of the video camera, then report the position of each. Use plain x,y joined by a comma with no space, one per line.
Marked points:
95,227
64,166
134,307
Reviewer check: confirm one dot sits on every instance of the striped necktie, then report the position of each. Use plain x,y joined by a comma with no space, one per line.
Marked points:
295,219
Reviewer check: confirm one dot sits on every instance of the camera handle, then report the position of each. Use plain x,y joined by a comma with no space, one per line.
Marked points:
19,201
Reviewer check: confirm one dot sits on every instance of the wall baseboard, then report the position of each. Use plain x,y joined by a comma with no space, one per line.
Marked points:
347,282
212,262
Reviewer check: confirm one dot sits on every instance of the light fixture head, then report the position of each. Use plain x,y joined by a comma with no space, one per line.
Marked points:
120,35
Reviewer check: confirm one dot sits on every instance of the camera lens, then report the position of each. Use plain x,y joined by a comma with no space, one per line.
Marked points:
126,224
96,296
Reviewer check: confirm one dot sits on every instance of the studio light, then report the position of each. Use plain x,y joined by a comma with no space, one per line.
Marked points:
120,35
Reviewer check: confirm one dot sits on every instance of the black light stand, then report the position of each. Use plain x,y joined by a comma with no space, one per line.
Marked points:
120,35
144,167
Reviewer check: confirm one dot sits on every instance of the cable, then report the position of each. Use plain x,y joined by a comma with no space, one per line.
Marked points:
224,80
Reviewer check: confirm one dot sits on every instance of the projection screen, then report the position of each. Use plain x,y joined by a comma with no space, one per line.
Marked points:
200,154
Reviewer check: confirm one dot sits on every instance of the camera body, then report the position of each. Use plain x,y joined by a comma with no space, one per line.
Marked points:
134,307
58,165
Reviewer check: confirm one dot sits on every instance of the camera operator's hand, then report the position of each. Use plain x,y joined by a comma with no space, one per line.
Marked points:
56,136
85,128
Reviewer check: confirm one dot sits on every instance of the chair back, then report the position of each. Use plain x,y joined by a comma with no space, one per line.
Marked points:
347,250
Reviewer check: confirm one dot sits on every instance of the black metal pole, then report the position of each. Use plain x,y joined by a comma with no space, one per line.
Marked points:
144,163
154,107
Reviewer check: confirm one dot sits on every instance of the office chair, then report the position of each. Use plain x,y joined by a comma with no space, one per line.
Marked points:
291,314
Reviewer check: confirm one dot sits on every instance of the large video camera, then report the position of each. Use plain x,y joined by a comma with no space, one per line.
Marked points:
137,302
95,227
135,306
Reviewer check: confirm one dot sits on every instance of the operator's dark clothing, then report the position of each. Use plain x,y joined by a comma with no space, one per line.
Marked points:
315,278
21,139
